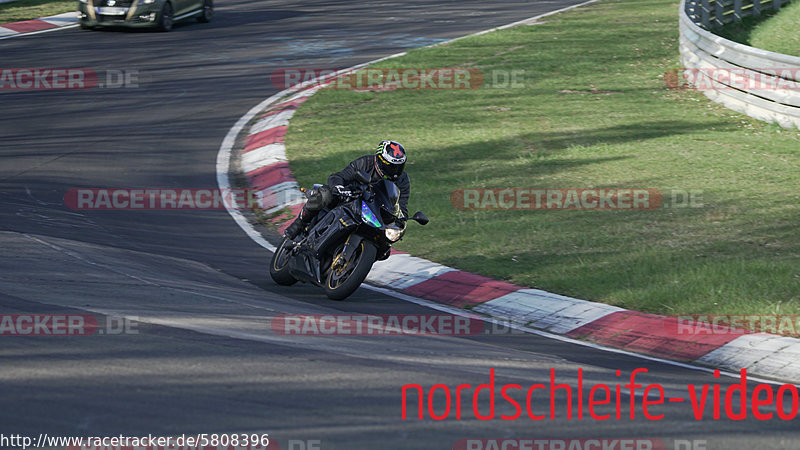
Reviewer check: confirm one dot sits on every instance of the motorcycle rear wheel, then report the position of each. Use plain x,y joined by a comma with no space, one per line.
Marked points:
279,265
342,281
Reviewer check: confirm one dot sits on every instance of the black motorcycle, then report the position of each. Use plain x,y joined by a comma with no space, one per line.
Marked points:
337,249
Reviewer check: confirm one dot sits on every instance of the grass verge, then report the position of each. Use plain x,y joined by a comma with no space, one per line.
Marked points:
779,33
774,31
593,111
34,9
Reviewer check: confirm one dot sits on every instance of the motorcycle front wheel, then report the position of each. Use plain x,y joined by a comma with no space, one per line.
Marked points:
346,276
279,265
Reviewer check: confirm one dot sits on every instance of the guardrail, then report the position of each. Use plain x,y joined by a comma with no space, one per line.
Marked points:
762,84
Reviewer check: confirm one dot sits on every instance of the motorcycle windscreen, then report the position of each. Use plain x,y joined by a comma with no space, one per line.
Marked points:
387,197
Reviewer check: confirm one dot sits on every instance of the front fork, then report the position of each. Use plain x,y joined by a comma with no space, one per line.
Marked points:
350,247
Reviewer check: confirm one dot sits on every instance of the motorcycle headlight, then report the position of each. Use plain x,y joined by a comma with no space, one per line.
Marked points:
146,2
393,234
368,216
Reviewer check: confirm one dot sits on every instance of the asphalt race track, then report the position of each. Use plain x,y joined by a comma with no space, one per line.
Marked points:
202,357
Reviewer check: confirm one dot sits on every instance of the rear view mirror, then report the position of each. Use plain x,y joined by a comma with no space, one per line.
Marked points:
421,218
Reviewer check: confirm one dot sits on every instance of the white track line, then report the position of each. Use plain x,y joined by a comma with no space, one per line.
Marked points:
37,32
464,313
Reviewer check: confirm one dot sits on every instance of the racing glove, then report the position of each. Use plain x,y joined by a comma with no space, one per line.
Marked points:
341,191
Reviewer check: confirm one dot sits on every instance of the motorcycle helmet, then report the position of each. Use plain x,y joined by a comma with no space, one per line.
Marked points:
390,160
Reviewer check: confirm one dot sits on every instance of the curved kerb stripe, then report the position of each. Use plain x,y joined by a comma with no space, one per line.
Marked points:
50,23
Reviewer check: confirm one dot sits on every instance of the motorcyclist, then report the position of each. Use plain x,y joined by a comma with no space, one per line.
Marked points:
387,163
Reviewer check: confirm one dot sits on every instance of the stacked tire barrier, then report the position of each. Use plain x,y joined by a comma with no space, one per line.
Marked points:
762,84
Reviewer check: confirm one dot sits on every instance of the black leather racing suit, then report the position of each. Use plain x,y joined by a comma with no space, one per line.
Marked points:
319,199
366,163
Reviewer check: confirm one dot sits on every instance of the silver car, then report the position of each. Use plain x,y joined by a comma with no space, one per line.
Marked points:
160,14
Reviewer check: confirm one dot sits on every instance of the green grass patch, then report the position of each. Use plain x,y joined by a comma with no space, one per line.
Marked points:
34,9
775,31
779,33
594,112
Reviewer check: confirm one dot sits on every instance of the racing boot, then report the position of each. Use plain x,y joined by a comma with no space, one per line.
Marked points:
318,197
298,225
